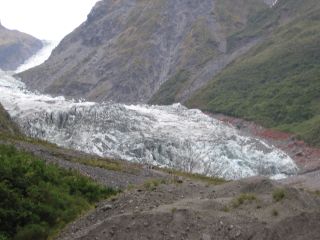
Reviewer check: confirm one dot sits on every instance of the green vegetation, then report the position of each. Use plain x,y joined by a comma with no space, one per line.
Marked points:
6,125
177,178
94,161
173,210
203,44
106,163
200,45
308,130
277,83
262,21
235,15
226,209
38,199
152,184
278,194
130,187
101,163
168,91
194,176
243,198
275,212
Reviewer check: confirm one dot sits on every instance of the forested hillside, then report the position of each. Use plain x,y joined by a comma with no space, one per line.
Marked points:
278,82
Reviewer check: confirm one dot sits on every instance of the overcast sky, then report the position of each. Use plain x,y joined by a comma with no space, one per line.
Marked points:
44,19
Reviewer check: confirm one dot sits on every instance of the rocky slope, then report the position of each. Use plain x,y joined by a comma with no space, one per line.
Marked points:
16,47
277,82
256,208
127,49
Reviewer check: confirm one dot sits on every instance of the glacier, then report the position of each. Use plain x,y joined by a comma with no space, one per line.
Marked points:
166,136
39,57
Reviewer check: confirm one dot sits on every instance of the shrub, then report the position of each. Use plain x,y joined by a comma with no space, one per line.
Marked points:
32,232
243,198
152,184
39,199
275,212
194,176
278,195
226,209
3,237
173,210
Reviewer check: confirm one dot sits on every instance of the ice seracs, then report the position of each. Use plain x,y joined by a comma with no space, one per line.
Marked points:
168,136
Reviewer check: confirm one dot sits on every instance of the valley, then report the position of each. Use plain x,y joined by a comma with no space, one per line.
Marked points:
161,203
164,120
167,136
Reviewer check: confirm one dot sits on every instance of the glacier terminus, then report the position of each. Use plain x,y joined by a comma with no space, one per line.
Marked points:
166,136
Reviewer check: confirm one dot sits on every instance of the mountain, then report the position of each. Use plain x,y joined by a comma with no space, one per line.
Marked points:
16,47
276,83
126,50
253,59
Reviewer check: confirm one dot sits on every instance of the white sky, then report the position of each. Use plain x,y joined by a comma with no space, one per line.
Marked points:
44,19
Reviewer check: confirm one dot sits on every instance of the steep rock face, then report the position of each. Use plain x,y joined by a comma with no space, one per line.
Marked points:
16,47
127,49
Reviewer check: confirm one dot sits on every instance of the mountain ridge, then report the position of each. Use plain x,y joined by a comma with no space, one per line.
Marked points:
126,49
220,56
16,47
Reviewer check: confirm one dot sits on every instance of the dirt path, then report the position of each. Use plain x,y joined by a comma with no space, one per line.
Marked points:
130,174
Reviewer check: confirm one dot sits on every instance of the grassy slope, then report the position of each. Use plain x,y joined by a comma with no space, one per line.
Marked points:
234,15
277,83
37,200
166,95
6,125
